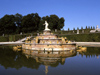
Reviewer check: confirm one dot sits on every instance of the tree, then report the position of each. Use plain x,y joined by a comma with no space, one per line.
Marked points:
30,22
91,27
54,22
86,27
68,29
7,25
77,28
73,28
41,26
1,28
60,23
18,18
81,28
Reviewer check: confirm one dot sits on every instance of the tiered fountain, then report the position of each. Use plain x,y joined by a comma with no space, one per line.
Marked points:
48,42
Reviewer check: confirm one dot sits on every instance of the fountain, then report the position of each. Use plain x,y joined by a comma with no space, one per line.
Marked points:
48,42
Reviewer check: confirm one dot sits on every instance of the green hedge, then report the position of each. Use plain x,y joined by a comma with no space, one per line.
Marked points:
86,31
94,37
16,37
12,37
3,39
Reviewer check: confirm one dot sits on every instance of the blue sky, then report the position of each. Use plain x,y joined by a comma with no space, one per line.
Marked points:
77,13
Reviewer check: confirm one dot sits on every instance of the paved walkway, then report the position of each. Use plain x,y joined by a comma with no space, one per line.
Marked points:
23,39
11,43
94,44
19,42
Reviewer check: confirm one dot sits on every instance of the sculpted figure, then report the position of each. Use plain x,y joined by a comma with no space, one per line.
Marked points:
46,25
97,27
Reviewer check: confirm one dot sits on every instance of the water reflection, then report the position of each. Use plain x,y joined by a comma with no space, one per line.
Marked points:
10,58
92,51
49,58
89,52
15,59
32,59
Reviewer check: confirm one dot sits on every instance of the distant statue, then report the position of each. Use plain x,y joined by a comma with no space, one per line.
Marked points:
97,27
46,25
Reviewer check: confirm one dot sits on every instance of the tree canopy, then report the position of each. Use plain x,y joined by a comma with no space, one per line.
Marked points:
11,24
30,22
7,24
18,20
54,22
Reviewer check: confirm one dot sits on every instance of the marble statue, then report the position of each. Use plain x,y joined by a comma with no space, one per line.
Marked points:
97,27
46,25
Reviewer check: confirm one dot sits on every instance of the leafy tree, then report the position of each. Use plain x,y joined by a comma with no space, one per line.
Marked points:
73,28
18,18
60,23
77,28
7,24
91,27
86,27
30,22
1,28
68,29
81,28
54,22
41,26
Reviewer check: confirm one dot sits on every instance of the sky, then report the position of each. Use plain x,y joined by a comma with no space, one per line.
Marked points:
77,13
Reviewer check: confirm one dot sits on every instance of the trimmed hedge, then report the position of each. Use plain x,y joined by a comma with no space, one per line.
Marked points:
16,37
94,37
12,38
3,39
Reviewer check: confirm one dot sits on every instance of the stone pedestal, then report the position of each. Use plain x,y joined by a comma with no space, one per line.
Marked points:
47,32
